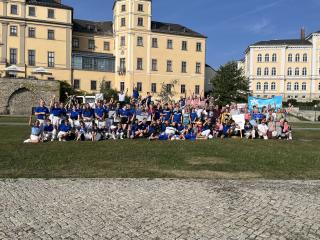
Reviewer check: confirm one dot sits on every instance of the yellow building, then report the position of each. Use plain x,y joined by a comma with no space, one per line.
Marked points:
130,51
289,68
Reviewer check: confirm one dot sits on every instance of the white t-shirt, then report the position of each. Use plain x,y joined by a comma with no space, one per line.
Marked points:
122,97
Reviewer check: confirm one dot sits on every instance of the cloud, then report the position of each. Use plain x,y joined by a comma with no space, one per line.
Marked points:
263,26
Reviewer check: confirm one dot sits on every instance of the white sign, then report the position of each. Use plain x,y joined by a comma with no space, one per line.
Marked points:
239,120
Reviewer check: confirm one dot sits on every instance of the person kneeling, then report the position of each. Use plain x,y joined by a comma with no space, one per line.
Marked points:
64,130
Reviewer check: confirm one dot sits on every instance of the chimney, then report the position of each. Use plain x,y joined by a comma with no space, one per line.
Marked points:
303,34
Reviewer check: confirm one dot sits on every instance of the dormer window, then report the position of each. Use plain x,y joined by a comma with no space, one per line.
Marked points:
140,7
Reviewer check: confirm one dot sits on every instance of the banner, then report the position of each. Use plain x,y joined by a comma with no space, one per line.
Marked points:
239,120
275,102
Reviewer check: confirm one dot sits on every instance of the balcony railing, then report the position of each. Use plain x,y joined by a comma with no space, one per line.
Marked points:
122,71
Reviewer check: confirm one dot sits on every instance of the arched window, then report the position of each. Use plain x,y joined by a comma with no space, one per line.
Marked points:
296,72
304,71
266,58
266,71
297,57
265,86
258,71
289,86
274,71
273,86
290,57
304,86
296,86
259,58
274,57
258,86
289,71
305,57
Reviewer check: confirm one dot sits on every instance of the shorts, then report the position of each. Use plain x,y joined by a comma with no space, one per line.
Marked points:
56,120
34,138
124,120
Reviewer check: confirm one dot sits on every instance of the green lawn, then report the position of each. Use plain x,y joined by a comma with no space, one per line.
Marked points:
227,159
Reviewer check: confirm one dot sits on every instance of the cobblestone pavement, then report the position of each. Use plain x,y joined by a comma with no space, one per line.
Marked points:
159,209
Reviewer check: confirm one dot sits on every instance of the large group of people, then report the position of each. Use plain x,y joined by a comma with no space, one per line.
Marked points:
192,118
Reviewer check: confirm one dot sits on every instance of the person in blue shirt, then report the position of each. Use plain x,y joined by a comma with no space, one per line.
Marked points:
56,113
99,113
41,112
87,115
64,130
142,128
36,130
177,117
135,94
48,131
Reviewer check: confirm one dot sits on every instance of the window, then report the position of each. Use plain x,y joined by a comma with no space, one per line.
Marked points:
154,66
106,46
31,57
123,41
273,71
304,71
140,41
273,86
168,88
31,32
139,86
123,22
290,57
184,46
288,86
50,13
91,44
123,8
51,34
266,71
183,67
170,44
289,71
13,31
75,43
304,86
93,85
32,11
76,84
183,89
139,64
258,71
305,57
155,42
266,58
13,56
122,64
198,67
14,9
140,7
297,57
258,86
296,86
169,66
296,72
140,22
51,59
153,87
274,57
265,86
197,89
122,86
199,47
259,58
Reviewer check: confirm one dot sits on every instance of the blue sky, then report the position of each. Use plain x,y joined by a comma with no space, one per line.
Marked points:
231,25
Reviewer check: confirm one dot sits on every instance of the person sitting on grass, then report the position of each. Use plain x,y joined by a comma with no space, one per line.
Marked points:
64,130
35,136
48,131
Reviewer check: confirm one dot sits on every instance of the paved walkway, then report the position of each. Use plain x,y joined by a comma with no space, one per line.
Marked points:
159,209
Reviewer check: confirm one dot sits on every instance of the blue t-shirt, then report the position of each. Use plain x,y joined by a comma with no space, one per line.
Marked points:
226,129
193,116
177,117
135,94
56,112
142,126
99,112
35,131
41,110
74,115
64,128
48,128
87,113
167,115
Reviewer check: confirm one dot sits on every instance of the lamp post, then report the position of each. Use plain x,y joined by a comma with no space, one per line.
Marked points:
315,112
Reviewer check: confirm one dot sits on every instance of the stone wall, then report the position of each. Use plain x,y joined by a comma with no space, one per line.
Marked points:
18,96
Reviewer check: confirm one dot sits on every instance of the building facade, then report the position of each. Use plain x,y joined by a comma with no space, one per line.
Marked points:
130,51
289,68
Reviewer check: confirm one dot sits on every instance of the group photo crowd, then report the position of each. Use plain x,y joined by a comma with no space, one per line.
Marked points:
137,117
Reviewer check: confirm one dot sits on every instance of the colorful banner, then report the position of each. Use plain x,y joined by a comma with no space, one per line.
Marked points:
275,102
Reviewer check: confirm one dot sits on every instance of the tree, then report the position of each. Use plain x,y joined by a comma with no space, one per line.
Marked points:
108,92
67,90
167,91
230,85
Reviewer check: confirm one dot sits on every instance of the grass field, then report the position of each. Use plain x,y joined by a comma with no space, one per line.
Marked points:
223,159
